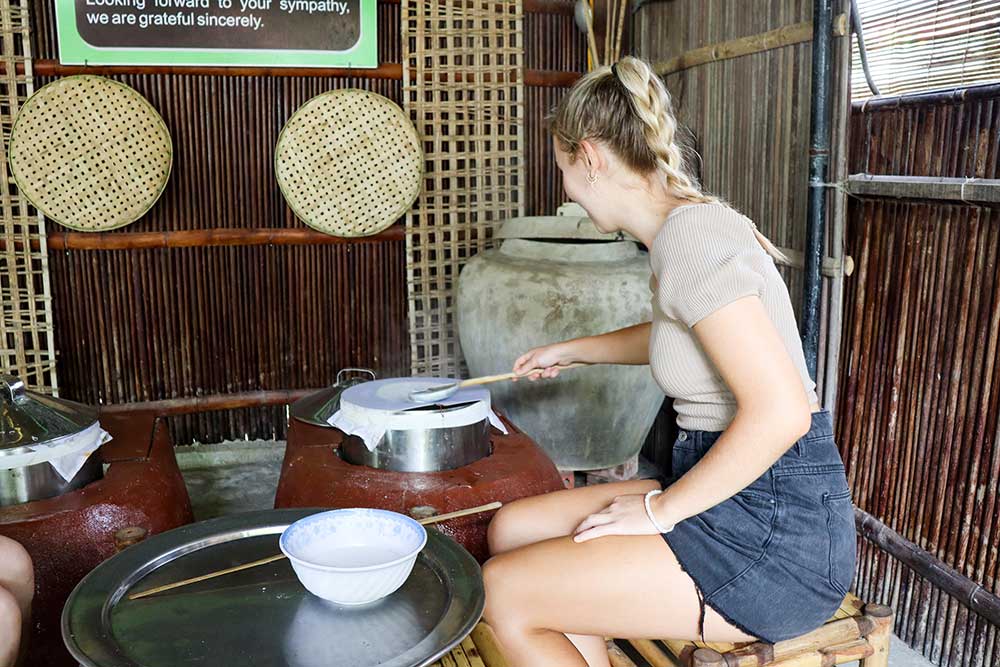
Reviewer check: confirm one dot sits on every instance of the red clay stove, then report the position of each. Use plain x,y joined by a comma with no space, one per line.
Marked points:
313,475
69,535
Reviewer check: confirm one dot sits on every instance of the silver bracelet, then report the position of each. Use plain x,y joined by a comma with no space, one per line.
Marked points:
649,512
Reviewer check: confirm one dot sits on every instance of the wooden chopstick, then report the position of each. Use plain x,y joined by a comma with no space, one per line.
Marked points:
270,559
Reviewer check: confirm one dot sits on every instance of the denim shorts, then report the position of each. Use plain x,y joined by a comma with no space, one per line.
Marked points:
776,559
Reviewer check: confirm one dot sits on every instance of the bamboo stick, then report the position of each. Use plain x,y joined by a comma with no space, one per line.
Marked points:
271,559
488,646
620,29
653,654
609,28
797,33
594,57
617,657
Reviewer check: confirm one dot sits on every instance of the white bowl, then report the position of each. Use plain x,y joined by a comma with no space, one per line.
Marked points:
353,556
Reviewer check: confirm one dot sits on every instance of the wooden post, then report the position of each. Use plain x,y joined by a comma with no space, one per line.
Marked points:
880,637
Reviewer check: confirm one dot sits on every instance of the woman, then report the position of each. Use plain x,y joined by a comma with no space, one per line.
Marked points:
755,538
17,587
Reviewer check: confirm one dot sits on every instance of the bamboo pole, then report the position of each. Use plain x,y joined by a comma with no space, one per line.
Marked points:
652,653
617,657
797,33
385,71
204,238
969,593
209,403
985,190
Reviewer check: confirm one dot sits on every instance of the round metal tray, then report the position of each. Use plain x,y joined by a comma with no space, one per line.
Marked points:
262,616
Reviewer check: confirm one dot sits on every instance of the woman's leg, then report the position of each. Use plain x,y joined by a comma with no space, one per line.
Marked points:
10,628
17,588
17,573
630,587
557,514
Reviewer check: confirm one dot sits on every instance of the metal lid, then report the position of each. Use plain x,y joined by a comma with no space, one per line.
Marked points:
317,408
30,419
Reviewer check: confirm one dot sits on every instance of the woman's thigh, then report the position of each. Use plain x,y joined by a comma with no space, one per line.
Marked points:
555,514
618,586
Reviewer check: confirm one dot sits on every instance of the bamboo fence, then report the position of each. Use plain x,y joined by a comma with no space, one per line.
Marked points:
918,417
26,326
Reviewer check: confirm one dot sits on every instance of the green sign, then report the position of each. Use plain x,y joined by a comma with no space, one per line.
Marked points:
271,33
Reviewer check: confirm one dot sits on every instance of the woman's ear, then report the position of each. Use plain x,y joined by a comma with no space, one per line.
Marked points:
592,155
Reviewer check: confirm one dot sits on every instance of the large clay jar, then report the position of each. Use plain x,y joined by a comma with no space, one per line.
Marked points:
554,278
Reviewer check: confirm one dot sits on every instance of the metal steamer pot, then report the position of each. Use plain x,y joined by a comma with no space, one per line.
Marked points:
400,450
29,422
422,450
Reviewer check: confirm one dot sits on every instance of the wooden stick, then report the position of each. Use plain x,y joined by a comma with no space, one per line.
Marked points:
591,40
609,27
271,559
210,575
488,379
619,29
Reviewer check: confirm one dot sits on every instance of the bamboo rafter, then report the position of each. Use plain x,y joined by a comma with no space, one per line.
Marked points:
798,33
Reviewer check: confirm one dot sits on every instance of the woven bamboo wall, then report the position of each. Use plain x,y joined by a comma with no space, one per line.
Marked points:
26,341
920,398
163,323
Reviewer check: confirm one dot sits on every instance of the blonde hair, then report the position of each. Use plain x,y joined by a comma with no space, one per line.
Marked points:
628,109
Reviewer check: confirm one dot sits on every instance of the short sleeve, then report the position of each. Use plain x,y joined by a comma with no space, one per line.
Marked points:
705,258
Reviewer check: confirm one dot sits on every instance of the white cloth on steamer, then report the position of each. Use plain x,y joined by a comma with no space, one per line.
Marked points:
66,454
369,409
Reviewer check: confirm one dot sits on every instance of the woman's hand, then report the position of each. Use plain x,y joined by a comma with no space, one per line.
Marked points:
545,360
626,515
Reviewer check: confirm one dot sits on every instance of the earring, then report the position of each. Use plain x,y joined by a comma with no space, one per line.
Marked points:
591,178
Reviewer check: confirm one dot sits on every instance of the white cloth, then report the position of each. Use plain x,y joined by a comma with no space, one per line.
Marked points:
369,409
67,454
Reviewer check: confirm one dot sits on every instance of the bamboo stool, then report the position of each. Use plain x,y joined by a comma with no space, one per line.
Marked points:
858,631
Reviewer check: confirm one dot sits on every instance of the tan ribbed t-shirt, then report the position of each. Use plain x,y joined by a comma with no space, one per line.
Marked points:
705,257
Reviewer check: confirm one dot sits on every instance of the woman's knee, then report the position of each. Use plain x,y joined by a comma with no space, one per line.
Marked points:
502,533
17,573
500,582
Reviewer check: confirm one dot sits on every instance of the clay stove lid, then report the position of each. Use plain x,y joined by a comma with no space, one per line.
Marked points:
30,419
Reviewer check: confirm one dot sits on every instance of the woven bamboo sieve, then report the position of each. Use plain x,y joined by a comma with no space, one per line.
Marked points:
349,163
92,154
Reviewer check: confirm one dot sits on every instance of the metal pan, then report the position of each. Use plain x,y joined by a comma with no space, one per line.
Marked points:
262,616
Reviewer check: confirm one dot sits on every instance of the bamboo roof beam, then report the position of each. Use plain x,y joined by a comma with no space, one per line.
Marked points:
788,35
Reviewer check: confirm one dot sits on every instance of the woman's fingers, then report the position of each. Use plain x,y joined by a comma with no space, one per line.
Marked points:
599,519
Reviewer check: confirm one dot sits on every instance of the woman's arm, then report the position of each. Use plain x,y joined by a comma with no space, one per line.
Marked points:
624,346
773,410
